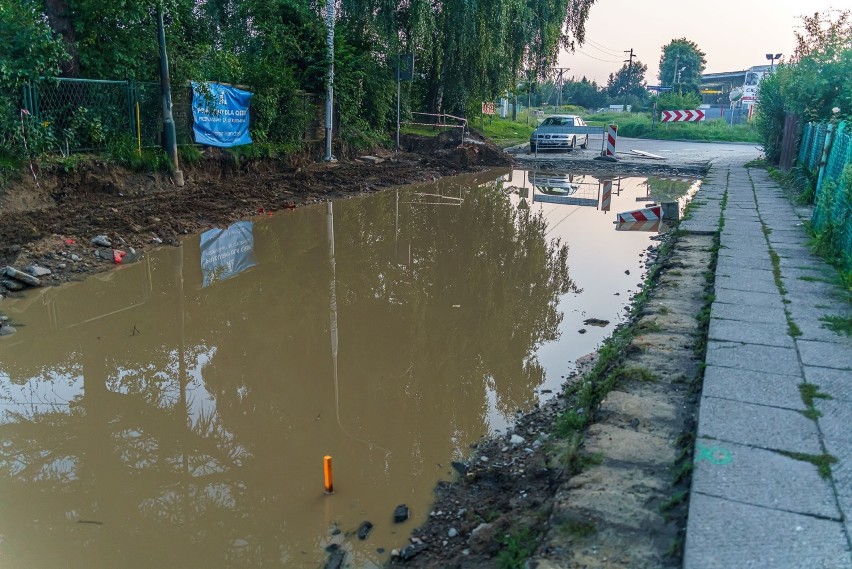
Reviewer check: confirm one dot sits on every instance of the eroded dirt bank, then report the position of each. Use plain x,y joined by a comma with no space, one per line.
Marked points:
51,223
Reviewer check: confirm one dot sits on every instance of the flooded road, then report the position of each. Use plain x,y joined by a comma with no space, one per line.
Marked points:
175,412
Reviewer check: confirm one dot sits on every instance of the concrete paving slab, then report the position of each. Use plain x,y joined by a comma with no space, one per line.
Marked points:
836,420
746,285
824,354
729,535
742,298
834,382
746,273
758,426
728,259
748,313
769,359
754,333
762,478
775,390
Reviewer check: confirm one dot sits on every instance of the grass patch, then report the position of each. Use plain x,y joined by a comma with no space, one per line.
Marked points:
792,329
579,530
837,324
648,325
636,374
809,392
757,163
823,462
674,501
189,155
776,271
517,548
506,132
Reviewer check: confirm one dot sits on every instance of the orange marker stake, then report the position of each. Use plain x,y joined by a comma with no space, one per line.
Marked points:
326,468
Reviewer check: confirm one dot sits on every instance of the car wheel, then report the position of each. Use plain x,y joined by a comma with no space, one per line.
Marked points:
586,143
532,147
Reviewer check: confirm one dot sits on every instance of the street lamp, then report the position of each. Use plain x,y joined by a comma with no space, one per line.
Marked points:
772,59
679,71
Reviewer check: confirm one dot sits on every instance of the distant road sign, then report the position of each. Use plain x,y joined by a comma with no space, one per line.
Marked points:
658,88
682,116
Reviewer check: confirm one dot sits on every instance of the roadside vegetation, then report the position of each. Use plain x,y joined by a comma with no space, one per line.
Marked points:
814,86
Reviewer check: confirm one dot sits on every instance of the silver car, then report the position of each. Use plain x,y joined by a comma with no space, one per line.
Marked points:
557,132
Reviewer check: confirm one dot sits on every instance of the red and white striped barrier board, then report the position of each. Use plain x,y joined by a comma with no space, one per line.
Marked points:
606,199
682,116
611,136
644,214
650,225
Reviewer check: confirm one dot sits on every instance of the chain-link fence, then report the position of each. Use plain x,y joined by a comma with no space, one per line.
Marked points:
70,115
833,201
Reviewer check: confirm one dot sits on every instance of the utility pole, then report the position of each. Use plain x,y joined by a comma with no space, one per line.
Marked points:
329,93
674,79
629,62
169,138
560,82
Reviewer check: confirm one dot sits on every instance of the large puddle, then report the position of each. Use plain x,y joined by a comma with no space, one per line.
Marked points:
176,412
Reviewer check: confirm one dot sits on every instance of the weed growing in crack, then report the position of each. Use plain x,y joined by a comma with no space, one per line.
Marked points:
823,461
838,324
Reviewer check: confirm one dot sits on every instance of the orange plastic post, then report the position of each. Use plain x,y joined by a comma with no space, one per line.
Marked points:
326,467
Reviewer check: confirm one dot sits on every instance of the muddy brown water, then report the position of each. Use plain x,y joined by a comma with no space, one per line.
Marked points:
176,411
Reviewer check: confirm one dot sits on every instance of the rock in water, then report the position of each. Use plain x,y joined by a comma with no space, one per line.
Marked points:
400,514
411,551
364,530
6,330
336,557
596,322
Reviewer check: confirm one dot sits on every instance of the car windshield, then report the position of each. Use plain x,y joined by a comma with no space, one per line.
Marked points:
558,121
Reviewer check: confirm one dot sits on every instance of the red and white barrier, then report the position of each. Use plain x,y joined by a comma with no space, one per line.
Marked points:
606,199
610,136
650,225
644,214
682,116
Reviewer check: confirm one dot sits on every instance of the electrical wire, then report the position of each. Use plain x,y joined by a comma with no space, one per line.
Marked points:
603,47
603,51
598,58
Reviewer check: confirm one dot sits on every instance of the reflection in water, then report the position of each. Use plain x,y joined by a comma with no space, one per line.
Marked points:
151,420
226,252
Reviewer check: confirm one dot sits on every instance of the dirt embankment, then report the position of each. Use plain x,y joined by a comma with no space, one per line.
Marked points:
50,223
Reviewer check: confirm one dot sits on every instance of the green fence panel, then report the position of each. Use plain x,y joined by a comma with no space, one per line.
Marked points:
833,207
807,140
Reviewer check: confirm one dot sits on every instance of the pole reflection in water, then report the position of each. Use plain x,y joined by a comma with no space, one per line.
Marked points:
161,416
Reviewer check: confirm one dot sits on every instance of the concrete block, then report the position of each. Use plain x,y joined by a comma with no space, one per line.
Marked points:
825,354
754,333
769,359
835,382
747,285
757,425
753,387
741,298
762,478
748,313
728,535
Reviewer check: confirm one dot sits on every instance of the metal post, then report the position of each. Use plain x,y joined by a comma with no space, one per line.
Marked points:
170,142
329,93
398,58
826,147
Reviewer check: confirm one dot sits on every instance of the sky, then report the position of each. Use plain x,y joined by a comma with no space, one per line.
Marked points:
734,34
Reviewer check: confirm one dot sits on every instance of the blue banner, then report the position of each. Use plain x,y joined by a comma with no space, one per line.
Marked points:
220,114
226,252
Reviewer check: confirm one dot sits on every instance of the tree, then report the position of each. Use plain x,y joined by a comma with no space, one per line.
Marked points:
584,93
682,64
629,82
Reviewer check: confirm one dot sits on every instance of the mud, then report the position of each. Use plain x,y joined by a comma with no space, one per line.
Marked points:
48,221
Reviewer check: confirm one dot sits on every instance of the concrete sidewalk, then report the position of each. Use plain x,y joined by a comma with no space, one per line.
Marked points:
777,397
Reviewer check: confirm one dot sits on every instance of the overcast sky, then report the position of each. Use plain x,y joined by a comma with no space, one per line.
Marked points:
734,34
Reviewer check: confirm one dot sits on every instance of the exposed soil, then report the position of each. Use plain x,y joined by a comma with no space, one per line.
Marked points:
48,221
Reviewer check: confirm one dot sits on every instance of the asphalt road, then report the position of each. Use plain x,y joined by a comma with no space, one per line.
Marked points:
688,153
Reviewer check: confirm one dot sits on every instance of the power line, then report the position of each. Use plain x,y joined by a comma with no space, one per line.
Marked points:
603,51
597,58
602,47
